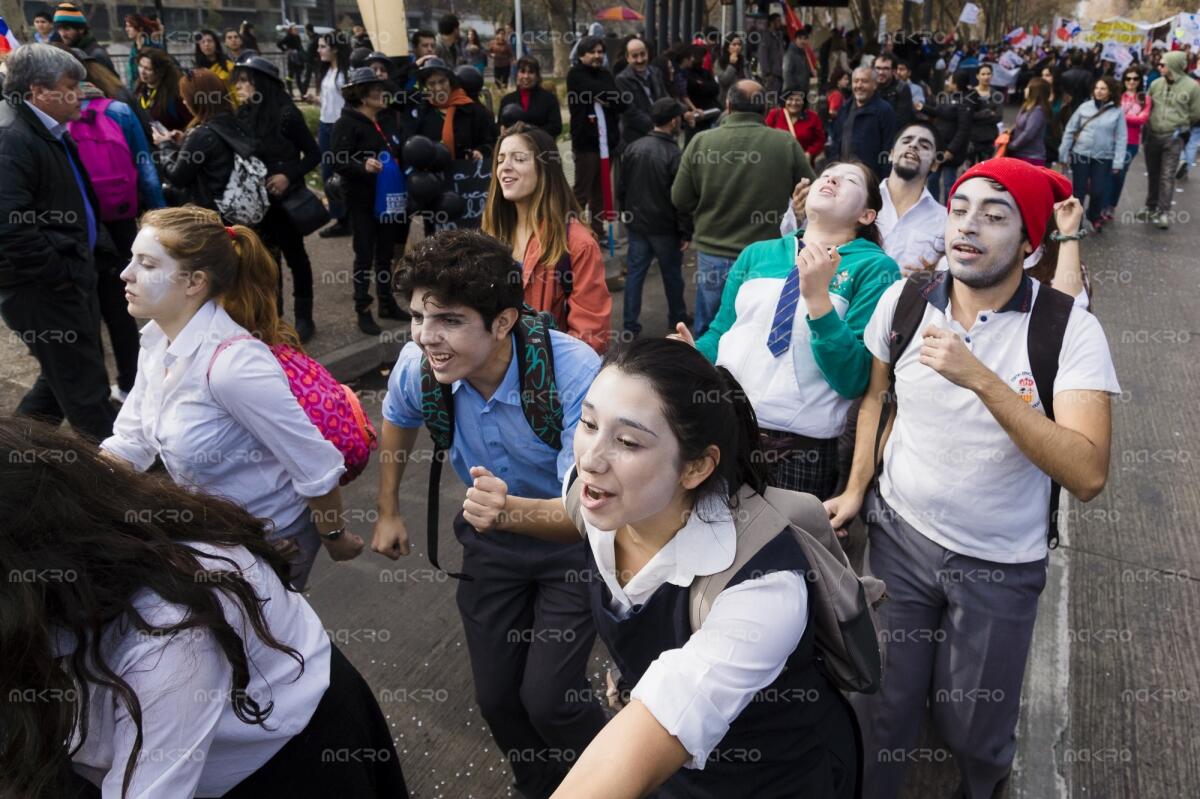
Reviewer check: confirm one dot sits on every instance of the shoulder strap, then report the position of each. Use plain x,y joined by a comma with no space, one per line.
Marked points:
906,319
571,500
224,345
99,105
437,406
757,524
540,401
1047,327
563,274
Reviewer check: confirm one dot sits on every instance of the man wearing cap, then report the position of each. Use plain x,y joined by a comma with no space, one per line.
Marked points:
656,227
73,29
959,522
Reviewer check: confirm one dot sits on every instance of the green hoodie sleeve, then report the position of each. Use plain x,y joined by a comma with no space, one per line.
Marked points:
727,313
837,344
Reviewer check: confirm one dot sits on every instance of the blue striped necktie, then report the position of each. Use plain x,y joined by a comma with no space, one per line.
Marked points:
785,314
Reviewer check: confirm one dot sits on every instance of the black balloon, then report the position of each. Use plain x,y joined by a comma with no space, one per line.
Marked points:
441,159
424,188
452,205
419,152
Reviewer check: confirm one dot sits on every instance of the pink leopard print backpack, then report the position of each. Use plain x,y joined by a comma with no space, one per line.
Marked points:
332,406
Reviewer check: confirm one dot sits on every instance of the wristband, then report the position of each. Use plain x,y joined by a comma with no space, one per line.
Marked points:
1057,236
333,535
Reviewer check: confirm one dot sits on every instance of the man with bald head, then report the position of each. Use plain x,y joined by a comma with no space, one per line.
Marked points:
733,179
640,84
866,128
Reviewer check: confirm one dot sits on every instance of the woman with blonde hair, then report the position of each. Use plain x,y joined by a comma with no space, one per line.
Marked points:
210,398
531,208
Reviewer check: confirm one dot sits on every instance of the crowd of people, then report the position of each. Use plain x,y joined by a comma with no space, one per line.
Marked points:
876,257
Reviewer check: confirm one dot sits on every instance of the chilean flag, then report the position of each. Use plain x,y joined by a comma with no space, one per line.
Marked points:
8,42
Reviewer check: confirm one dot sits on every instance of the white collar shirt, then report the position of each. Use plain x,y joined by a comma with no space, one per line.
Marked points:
696,691
193,742
949,469
332,101
915,240
238,432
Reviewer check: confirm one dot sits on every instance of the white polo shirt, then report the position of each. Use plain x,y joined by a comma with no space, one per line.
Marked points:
949,468
916,238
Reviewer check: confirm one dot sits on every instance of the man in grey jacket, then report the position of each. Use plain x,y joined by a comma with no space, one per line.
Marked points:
797,71
640,84
771,42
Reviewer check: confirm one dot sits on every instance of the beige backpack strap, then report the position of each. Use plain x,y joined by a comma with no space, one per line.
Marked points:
571,501
757,524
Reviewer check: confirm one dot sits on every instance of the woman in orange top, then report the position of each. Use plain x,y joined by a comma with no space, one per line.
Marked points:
530,206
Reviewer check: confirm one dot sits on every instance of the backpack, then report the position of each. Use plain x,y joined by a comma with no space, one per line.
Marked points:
565,277
1047,325
107,161
843,603
245,200
333,408
539,402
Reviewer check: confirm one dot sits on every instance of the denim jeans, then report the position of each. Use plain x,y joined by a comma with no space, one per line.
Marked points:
1091,178
643,250
1117,183
1189,150
711,271
324,141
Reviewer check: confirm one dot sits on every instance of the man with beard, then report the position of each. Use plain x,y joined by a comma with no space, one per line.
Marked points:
985,431
911,222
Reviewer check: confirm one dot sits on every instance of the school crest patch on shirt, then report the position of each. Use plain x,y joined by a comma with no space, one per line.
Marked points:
1024,384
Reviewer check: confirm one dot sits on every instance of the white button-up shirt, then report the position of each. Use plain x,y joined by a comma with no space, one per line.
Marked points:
916,240
949,468
239,433
332,101
193,743
696,691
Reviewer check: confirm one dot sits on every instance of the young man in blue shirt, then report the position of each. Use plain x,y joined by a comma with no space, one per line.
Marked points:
528,626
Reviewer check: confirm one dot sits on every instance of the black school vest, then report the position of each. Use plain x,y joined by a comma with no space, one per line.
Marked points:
776,747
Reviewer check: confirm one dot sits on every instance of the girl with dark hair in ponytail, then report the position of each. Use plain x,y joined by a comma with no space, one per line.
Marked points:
666,446
152,646
228,425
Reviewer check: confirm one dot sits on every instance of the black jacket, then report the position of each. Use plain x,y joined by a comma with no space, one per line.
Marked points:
985,116
899,97
293,153
543,110
1077,82
648,169
198,170
952,121
43,222
92,47
635,120
474,128
585,87
354,140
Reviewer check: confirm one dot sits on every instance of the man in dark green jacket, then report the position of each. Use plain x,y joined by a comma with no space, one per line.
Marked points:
733,180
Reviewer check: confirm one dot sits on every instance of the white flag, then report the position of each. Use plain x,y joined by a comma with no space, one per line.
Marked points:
969,15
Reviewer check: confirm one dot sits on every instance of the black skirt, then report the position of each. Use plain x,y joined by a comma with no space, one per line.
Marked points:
345,751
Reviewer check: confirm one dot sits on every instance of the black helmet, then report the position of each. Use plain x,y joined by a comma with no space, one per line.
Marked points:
360,76
386,60
259,64
437,65
359,56
471,80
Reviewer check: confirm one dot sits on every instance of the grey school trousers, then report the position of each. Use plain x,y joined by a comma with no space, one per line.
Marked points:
956,632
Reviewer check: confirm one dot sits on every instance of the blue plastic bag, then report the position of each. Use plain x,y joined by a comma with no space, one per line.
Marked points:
391,191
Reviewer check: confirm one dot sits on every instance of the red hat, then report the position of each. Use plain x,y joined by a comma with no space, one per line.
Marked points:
1035,188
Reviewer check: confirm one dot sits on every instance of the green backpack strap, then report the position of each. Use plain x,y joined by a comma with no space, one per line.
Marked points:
535,362
539,402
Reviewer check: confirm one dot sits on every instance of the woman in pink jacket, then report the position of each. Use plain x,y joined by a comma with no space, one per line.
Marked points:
1136,104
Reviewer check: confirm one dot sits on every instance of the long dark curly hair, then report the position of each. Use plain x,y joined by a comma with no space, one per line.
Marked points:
81,536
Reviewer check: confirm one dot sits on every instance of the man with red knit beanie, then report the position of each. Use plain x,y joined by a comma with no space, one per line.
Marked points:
1002,392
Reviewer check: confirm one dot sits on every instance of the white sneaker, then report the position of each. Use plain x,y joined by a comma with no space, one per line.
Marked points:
117,395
